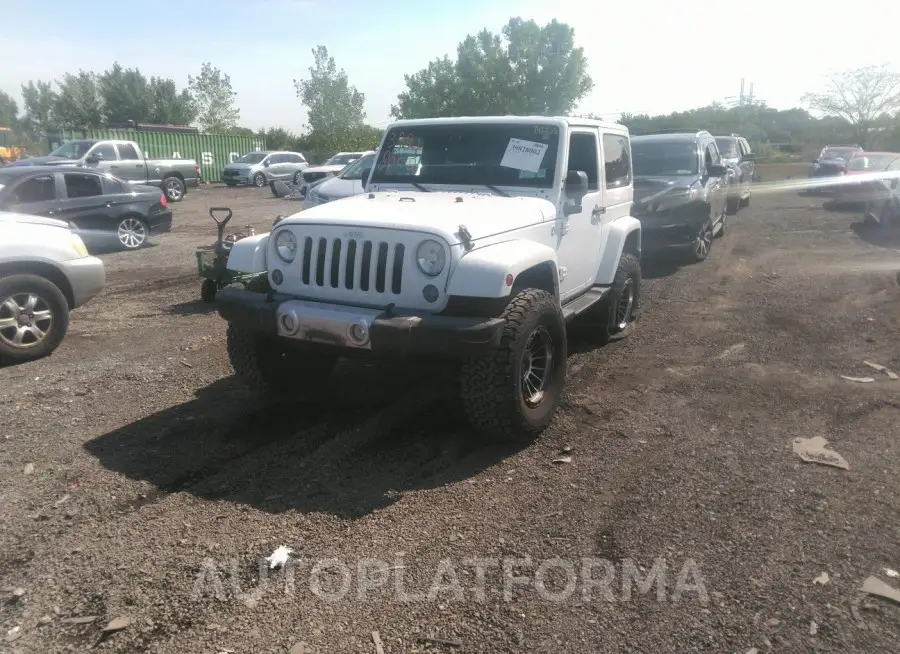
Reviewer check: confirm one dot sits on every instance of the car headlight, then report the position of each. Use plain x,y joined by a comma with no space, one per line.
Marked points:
78,245
286,245
431,258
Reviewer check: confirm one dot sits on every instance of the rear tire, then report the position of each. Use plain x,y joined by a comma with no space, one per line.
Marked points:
622,308
34,318
512,393
272,371
208,290
174,189
132,233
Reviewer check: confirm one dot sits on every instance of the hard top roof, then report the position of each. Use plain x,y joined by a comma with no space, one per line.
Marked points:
571,121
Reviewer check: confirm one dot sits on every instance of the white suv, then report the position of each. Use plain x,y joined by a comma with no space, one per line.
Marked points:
481,248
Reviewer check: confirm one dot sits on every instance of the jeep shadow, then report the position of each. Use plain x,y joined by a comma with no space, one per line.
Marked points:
378,429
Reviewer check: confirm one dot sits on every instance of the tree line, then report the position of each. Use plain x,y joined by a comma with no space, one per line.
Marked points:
525,69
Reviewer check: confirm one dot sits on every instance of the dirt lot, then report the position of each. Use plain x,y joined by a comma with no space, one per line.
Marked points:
131,466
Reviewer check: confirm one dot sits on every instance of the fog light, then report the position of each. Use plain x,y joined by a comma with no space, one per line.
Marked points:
288,324
359,334
277,276
430,293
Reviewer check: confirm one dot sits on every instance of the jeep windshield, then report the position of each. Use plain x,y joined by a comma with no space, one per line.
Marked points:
664,158
73,149
494,154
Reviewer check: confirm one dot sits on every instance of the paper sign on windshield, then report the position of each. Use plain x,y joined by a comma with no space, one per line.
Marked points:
524,155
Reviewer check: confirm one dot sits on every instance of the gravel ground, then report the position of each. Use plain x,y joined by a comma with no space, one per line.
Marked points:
134,473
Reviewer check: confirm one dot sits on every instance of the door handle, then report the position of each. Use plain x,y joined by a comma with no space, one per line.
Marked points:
139,166
564,227
113,166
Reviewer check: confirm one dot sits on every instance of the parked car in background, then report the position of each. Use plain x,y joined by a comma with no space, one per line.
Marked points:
883,200
263,166
739,157
127,162
350,181
680,192
332,167
45,272
103,209
832,163
863,179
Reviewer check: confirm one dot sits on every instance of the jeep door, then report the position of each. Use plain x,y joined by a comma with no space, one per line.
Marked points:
579,235
617,192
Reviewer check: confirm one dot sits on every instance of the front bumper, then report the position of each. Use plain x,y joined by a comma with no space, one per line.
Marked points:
333,325
87,276
671,236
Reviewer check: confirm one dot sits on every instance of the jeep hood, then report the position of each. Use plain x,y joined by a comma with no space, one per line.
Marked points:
439,213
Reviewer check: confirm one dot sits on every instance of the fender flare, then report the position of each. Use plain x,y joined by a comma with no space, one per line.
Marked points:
482,272
249,254
618,240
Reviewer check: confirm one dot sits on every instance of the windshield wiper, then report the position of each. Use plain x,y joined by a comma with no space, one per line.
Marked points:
420,187
496,190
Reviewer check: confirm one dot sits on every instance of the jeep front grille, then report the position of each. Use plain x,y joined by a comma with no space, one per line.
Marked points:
352,264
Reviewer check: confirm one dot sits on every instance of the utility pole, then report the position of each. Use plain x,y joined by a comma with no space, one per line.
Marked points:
750,99
741,100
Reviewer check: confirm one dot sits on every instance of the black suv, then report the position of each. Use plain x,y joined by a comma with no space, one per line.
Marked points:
680,191
737,155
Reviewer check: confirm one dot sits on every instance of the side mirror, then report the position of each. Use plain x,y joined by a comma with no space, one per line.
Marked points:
895,183
576,185
266,163
717,170
94,157
816,160
749,157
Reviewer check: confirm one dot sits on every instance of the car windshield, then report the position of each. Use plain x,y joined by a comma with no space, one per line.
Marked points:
359,168
873,161
73,149
251,158
342,159
728,147
838,153
505,154
664,158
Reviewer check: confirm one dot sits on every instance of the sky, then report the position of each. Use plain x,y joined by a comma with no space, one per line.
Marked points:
653,56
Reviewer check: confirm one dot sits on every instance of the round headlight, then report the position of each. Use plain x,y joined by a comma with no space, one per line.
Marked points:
286,245
430,257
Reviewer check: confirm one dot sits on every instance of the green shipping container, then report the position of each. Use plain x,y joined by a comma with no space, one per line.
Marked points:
211,151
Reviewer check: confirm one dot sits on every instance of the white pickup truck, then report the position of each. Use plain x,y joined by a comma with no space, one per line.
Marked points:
125,160
480,250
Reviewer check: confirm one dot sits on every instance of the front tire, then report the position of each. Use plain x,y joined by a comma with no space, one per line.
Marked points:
208,290
512,393
702,242
272,371
34,318
259,180
174,189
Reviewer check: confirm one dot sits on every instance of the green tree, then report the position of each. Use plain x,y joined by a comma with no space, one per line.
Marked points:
9,111
214,99
865,98
79,102
334,107
39,102
126,95
170,106
528,69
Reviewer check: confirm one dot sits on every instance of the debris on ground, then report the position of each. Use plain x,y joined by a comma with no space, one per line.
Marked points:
116,624
890,373
874,586
891,573
563,459
425,640
13,634
16,595
861,380
822,579
379,646
279,557
567,449
82,619
29,469
813,450
299,648
813,628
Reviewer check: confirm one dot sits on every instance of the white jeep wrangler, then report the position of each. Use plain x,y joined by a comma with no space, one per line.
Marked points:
477,239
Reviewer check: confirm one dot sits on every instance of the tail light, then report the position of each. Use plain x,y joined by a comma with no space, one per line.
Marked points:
162,200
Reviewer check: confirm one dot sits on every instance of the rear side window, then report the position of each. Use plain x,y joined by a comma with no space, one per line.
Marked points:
617,161
82,186
583,156
127,152
36,189
105,150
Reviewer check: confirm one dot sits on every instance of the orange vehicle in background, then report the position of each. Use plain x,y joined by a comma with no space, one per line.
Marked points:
8,152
